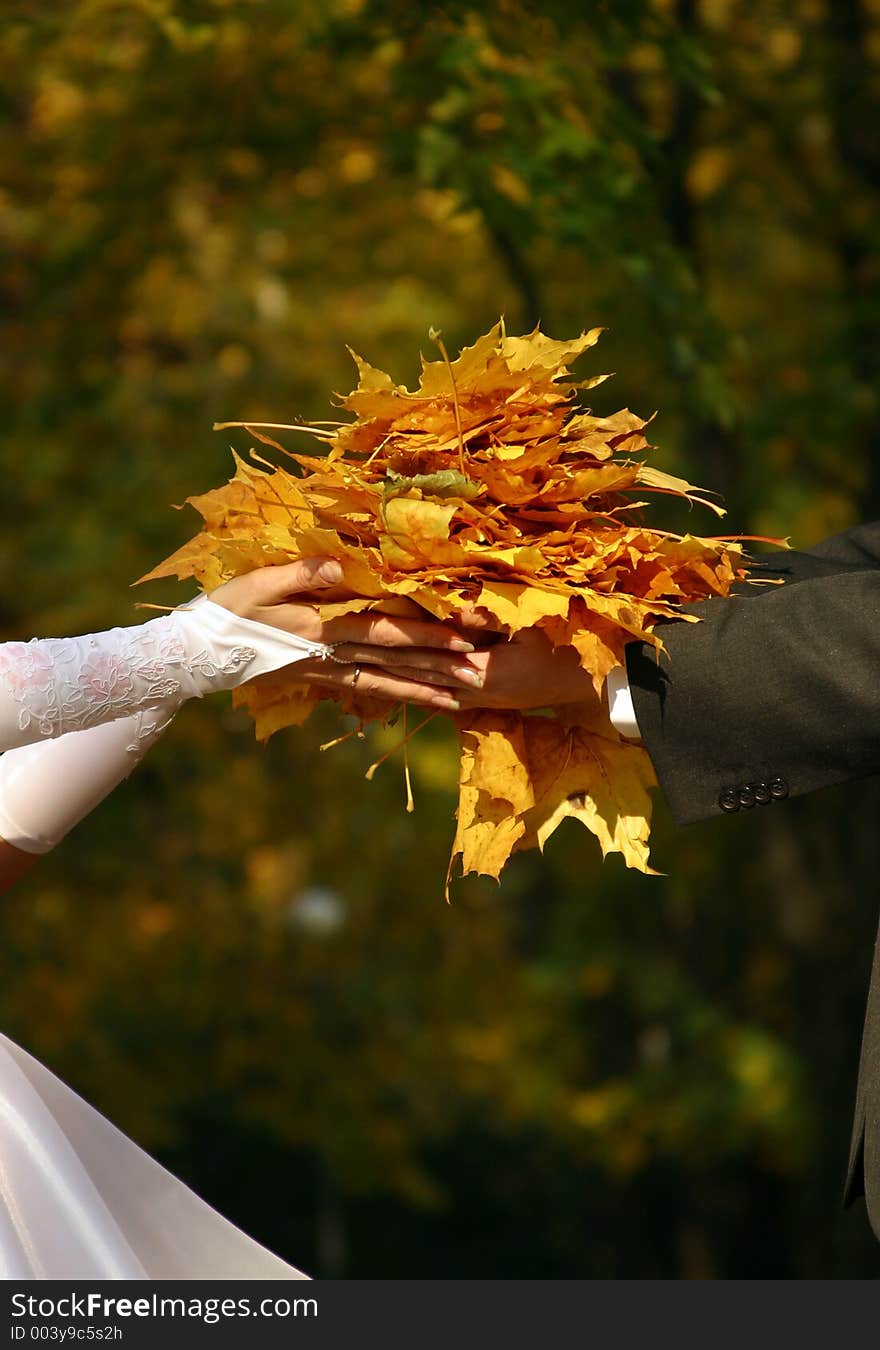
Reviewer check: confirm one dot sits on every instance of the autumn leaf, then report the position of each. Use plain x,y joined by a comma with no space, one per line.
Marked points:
600,780
518,605
444,483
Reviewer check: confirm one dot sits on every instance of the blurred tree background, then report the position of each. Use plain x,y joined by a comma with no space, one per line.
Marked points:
244,958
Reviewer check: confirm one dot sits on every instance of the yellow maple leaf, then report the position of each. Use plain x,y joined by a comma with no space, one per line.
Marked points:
602,781
517,605
498,763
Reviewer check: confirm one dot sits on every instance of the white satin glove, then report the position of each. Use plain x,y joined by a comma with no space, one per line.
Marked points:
50,786
52,686
79,713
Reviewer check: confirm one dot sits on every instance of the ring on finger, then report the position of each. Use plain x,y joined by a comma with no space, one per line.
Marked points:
356,677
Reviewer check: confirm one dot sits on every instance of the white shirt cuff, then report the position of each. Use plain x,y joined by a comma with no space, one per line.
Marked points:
620,704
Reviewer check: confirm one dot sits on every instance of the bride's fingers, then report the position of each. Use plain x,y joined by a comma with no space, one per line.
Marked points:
275,584
414,663
455,686
374,683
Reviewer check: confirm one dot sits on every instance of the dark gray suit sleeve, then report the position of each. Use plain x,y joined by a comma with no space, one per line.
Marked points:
775,692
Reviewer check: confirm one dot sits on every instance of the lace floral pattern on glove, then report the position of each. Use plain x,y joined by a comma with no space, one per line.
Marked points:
70,684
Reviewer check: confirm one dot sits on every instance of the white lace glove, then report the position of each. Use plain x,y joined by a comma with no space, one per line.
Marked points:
77,714
51,686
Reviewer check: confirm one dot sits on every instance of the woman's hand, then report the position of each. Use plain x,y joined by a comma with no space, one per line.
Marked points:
404,657
263,595
401,656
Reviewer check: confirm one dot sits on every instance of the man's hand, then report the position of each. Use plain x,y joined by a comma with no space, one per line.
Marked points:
527,671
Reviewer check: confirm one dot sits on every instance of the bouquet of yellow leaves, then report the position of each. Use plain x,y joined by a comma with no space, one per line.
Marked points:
488,486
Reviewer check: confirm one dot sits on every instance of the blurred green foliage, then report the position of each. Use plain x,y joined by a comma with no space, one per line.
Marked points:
243,957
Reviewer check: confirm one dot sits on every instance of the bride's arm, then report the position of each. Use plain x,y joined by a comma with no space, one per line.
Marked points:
52,686
80,713
49,787
47,689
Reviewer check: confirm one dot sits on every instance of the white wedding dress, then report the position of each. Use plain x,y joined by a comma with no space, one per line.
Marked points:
78,1199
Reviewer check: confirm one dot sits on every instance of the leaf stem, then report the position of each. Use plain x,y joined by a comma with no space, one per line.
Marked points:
410,802
340,740
438,340
400,745
282,426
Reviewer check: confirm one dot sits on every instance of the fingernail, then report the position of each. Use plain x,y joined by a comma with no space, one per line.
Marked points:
452,704
459,645
468,676
330,571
